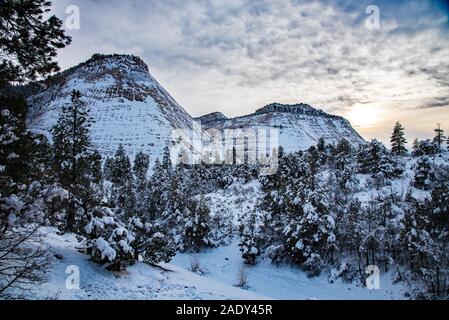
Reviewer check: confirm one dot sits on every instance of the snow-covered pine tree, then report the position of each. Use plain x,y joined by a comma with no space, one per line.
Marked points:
196,226
415,144
123,195
309,238
140,169
344,163
251,237
439,136
107,168
159,188
109,242
424,147
398,140
76,165
177,191
435,272
151,241
28,42
423,173
375,159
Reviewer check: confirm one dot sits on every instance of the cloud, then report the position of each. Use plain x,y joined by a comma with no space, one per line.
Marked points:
437,102
235,56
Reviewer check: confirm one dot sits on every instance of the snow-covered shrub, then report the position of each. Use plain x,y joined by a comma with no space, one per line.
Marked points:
425,148
313,265
195,227
251,237
423,173
109,242
151,242
195,265
375,159
222,228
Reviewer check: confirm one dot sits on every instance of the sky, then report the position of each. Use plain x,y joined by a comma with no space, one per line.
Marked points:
236,56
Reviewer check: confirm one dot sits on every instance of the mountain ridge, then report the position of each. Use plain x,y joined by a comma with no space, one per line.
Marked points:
131,108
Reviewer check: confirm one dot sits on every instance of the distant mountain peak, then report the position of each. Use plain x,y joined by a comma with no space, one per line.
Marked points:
212,117
127,104
300,108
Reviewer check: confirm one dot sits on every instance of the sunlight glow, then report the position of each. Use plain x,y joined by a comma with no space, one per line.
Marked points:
364,116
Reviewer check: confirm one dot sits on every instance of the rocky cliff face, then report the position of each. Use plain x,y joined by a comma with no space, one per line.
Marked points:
127,104
299,126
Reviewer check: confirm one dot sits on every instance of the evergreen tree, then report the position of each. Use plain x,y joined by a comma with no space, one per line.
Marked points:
425,147
142,188
123,195
375,159
196,227
28,45
107,168
415,144
140,169
250,231
28,40
398,141
151,241
439,137
423,173
76,165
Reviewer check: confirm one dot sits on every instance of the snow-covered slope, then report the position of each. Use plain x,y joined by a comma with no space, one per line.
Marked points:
139,282
127,104
300,126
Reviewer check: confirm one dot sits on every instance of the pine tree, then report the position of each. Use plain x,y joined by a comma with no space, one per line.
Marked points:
123,195
398,141
439,136
76,165
140,170
196,226
375,159
151,241
107,168
28,45
425,147
423,173
415,144
166,159
28,40
250,232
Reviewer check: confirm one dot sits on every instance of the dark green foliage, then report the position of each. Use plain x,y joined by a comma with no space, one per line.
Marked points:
376,160
123,192
76,165
424,147
439,137
398,141
196,227
423,176
28,41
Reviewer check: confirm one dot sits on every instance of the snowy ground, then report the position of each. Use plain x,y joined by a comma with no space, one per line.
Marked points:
140,282
224,264
174,281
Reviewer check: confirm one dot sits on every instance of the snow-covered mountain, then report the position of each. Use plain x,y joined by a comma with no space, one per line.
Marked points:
127,104
299,126
130,107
